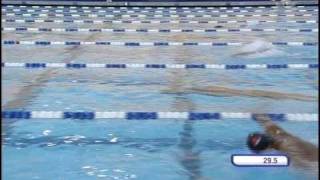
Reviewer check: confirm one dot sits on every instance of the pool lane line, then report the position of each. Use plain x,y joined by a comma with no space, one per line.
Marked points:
152,11
189,157
155,15
153,115
144,30
158,66
153,21
159,8
136,43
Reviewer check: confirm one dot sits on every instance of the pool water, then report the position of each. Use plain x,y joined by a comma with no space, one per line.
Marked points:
151,149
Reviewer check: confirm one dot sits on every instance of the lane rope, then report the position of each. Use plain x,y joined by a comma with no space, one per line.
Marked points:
151,11
153,115
159,66
153,21
161,43
159,8
143,30
156,15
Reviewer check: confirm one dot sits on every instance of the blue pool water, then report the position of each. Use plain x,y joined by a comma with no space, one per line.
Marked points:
158,149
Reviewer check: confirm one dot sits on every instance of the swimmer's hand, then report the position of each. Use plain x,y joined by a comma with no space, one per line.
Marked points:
270,127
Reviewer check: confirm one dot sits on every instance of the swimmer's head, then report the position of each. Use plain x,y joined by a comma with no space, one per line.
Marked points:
258,142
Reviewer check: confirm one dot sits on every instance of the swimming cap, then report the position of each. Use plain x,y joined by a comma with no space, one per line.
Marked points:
258,141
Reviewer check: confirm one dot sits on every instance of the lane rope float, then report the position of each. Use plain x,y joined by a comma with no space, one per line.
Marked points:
154,115
151,11
159,66
153,21
155,15
159,8
144,30
161,43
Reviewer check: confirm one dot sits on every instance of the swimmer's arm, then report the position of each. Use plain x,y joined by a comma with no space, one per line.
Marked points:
302,151
270,127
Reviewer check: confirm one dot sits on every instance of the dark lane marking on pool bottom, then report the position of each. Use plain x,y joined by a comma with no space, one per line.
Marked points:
190,159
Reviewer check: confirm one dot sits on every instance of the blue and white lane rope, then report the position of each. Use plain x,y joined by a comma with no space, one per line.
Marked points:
159,8
160,66
154,21
58,21
156,15
151,11
161,43
143,30
153,115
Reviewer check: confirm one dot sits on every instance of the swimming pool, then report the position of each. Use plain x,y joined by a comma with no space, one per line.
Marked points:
152,63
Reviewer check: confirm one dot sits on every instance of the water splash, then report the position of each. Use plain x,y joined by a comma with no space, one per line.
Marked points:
258,48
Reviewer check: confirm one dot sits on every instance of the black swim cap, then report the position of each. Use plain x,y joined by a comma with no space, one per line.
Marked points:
258,141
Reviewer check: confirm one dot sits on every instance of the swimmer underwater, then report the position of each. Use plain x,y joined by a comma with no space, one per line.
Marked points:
302,154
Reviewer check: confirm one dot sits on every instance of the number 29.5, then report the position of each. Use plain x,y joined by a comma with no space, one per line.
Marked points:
268,160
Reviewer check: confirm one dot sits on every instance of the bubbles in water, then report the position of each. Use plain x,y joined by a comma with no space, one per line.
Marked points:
90,173
114,140
101,175
74,138
86,167
50,144
30,136
133,176
118,170
129,155
112,173
46,132
103,170
58,102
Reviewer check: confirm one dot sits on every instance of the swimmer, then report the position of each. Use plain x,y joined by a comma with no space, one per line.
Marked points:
259,48
301,153
258,51
256,47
